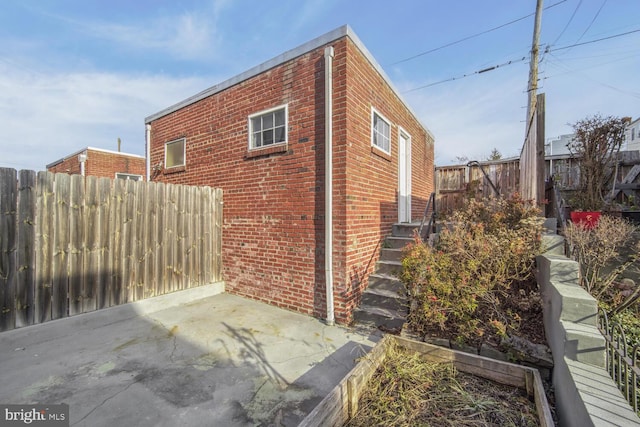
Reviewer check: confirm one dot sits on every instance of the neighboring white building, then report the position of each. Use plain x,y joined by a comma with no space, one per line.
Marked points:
632,136
558,145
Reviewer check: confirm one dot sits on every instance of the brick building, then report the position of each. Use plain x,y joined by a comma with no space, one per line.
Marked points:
261,137
101,163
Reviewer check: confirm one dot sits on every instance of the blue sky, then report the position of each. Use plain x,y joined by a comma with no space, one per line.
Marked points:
85,72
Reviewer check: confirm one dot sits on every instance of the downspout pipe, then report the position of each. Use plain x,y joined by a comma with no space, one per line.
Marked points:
328,181
148,153
82,158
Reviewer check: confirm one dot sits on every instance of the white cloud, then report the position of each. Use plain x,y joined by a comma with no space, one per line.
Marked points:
45,117
189,35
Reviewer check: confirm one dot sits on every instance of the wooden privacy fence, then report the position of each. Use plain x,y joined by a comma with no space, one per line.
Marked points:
455,184
71,244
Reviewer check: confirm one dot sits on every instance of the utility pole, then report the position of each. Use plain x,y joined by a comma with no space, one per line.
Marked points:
533,67
531,157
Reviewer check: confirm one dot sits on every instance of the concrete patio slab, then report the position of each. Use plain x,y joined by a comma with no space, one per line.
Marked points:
192,358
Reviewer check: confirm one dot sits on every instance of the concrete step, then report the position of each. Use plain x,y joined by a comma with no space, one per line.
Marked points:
387,285
392,268
379,318
371,299
389,254
404,229
398,242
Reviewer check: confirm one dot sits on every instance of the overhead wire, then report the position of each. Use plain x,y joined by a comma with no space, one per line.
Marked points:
568,69
546,51
472,36
484,70
568,22
592,21
593,41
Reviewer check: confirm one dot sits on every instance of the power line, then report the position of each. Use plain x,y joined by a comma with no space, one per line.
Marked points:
592,41
484,70
472,36
592,21
580,72
568,23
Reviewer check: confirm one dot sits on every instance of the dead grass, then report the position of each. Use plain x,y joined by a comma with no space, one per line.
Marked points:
408,391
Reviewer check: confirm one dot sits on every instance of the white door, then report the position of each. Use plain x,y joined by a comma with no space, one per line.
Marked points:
404,177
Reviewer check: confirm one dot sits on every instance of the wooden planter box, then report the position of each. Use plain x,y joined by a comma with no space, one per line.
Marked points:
339,405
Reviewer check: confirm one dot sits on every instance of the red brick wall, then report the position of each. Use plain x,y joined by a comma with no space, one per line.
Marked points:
273,244
369,184
102,164
70,166
106,164
273,204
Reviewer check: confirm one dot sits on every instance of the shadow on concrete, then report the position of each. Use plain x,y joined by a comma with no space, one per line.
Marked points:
219,360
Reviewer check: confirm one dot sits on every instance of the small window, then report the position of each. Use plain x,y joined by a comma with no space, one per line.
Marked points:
130,176
380,132
268,128
174,153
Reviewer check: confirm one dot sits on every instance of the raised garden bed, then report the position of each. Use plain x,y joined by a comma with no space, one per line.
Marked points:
342,403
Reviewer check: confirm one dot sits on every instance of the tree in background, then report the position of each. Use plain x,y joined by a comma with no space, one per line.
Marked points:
495,155
596,144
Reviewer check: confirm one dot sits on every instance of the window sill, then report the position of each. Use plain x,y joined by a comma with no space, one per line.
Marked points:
175,169
378,152
264,151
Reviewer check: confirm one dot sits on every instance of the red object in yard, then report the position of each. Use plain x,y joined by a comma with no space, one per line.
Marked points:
588,219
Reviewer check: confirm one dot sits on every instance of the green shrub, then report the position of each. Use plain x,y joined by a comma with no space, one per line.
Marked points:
471,283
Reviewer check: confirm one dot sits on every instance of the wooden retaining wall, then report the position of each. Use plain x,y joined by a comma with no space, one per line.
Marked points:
71,244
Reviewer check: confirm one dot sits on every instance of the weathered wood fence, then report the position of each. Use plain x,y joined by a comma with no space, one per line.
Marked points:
71,244
455,184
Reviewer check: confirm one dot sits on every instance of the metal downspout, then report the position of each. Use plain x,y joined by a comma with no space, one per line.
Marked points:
328,181
148,153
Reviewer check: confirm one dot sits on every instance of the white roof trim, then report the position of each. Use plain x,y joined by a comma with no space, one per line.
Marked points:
307,47
102,150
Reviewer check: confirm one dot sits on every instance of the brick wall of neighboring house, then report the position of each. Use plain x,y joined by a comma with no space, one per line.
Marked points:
101,163
273,246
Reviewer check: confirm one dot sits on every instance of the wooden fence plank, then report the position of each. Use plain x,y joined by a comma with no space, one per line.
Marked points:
180,234
44,249
151,227
160,259
128,243
206,262
26,280
196,230
60,261
187,234
116,212
217,232
92,233
8,247
103,259
172,234
76,244
139,249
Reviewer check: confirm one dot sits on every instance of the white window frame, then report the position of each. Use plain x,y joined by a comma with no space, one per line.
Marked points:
374,113
284,107
124,175
184,152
